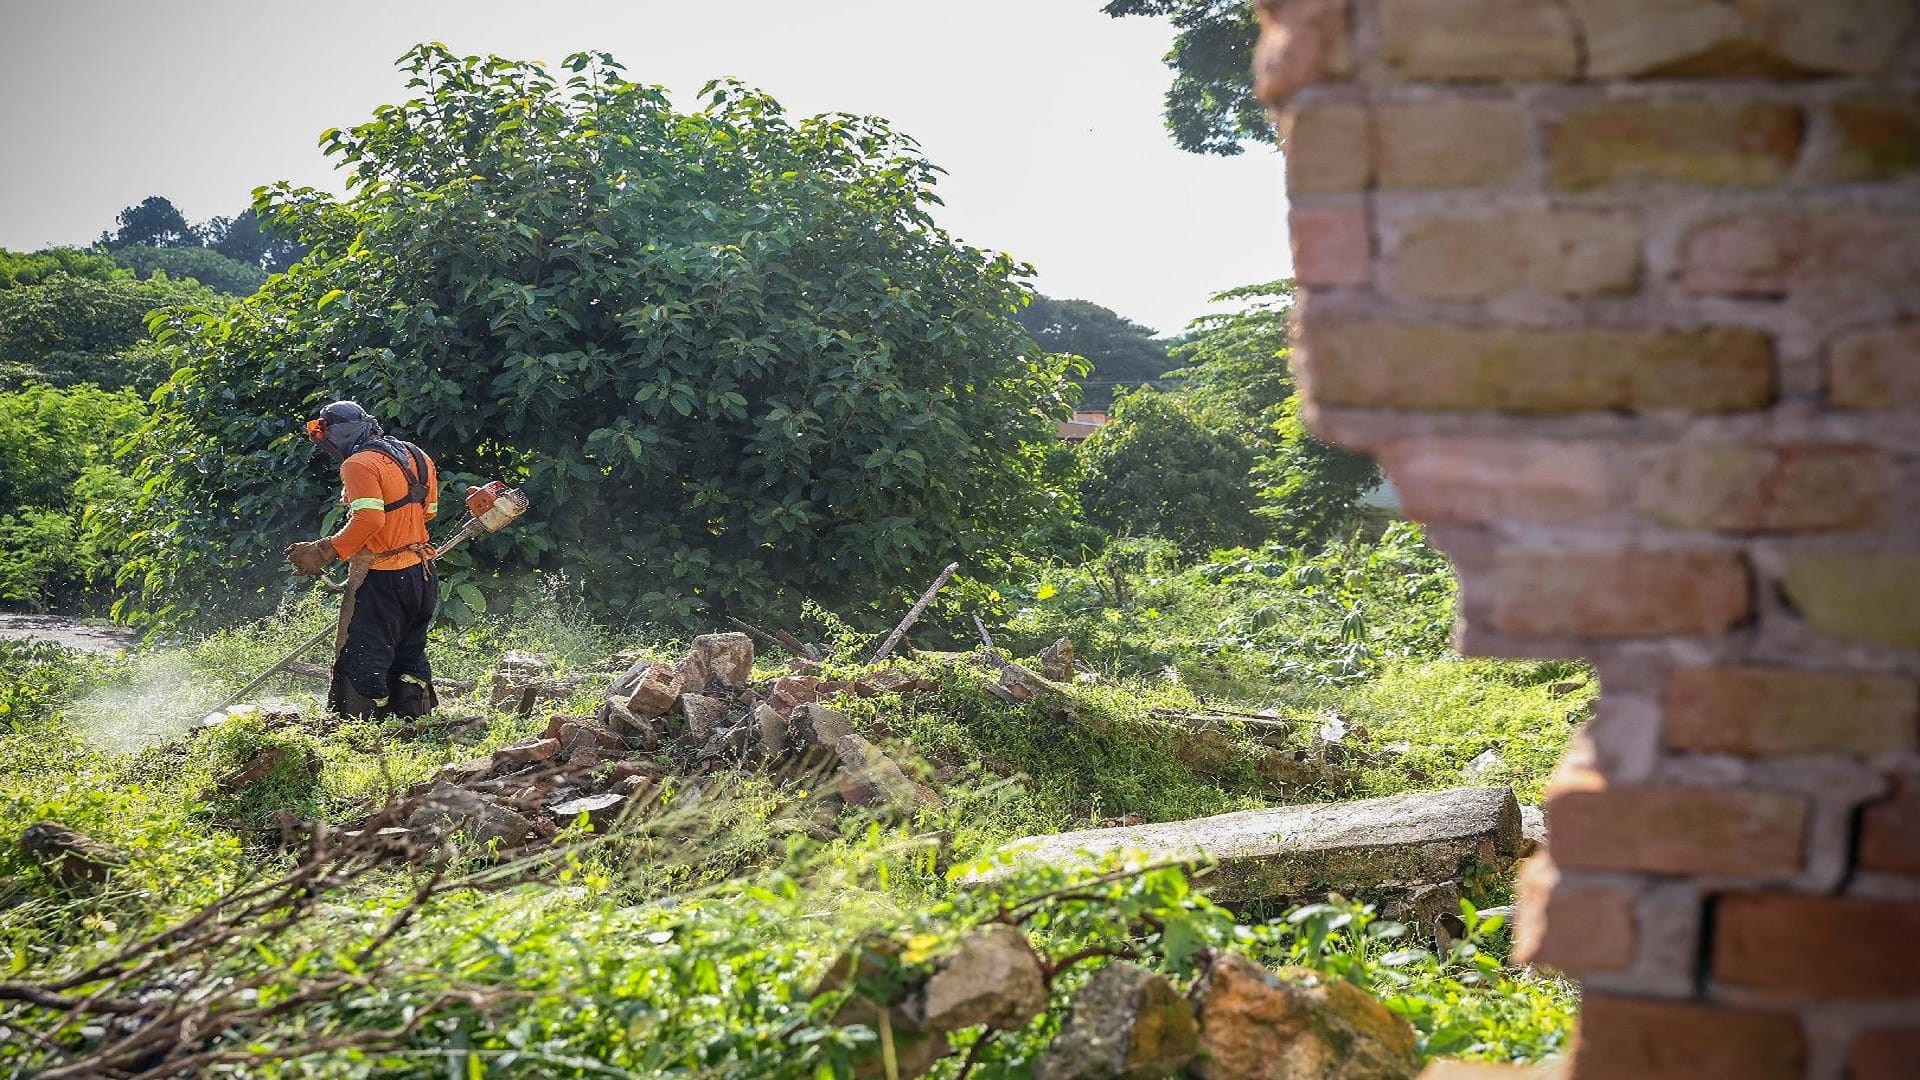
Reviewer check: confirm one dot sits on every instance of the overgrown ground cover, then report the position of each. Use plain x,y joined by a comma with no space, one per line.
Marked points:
691,945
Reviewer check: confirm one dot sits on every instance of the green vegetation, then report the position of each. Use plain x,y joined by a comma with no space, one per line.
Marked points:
692,941
67,496
1121,353
762,373
1210,108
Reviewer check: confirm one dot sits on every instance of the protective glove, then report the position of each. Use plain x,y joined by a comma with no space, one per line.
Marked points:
311,557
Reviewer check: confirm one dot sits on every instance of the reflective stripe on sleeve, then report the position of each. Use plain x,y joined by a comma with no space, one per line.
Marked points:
433,508
358,505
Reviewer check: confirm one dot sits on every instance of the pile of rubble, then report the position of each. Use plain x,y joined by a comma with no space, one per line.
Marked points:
704,716
1239,1021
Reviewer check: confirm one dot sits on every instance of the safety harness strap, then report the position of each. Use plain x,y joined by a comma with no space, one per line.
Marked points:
402,454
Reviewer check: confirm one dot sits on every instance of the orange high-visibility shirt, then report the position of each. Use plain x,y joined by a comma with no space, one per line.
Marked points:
372,480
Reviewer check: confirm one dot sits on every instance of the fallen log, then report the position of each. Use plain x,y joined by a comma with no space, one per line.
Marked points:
1290,852
914,613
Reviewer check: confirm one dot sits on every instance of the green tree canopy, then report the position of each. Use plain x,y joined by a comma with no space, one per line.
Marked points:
245,238
64,329
1163,467
152,222
32,268
726,351
1122,352
209,268
1210,107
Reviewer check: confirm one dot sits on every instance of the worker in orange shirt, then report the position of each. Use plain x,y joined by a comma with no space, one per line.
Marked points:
391,491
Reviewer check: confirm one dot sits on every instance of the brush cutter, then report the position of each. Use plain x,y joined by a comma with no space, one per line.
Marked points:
489,509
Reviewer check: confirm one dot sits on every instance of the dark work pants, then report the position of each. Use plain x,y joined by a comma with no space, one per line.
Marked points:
383,669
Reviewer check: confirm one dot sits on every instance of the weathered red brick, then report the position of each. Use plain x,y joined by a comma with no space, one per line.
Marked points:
1876,369
1622,1038
1890,832
1857,595
1328,149
1448,143
1485,479
1754,38
1805,948
1301,42
1746,487
1767,712
1618,594
1574,252
1875,137
1496,40
1706,142
1679,830
1411,366
1331,245
1577,929
1774,252
1884,1054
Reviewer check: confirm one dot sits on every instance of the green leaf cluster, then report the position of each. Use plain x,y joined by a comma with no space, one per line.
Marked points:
726,351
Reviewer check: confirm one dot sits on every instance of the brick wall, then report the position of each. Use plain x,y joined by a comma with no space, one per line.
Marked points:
1625,294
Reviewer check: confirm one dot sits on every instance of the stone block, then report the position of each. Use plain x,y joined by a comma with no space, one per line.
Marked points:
1708,143
1577,929
1774,712
1478,40
1262,1025
1679,830
1862,596
1448,144
1507,369
1884,1053
1890,831
1775,252
1755,38
1331,245
1798,947
1876,369
718,661
1745,487
1677,1040
1474,480
1126,1022
1295,851
1616,594
992,978
1328,149
1301,42
1571,252
1876,137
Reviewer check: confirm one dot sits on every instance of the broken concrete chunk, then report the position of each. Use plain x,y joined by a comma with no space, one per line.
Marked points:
450,811
789,691
916,1048
526,753
705,715
1127,1023
586,745
868,777
1533,830
517,680
811,726
718,661
1297,1024
1485,764
993,978
770,732
69,856
1299,851
654,689
601,810
1021,684
1056,661
897,681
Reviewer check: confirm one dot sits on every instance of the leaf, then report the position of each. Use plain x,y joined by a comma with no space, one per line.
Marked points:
471,596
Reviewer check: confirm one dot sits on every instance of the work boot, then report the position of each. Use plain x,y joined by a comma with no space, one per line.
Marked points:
411,696
343,700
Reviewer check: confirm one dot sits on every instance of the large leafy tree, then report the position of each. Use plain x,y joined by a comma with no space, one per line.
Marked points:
152,222
1120,352
209,268
245,238
1164,467
726,351
1210,107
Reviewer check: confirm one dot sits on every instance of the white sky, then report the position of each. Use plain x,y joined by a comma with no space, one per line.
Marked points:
1045,113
